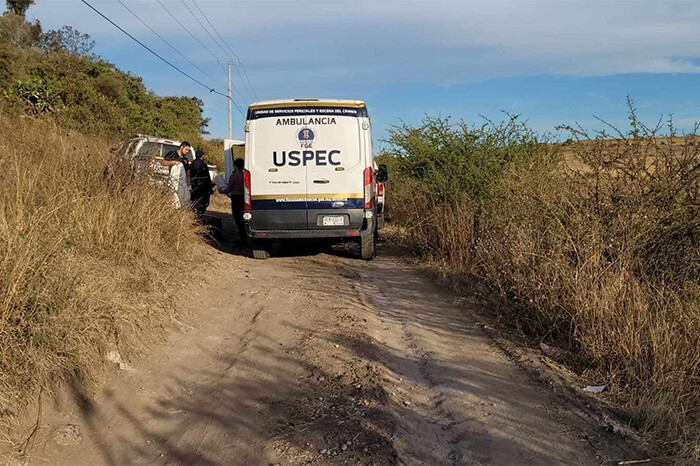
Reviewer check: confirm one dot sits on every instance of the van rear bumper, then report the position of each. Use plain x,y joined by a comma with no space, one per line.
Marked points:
368,228
306,234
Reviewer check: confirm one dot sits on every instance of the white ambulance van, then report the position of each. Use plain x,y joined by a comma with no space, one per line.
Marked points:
310,173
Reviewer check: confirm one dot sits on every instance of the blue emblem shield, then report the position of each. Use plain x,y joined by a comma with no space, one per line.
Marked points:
306,135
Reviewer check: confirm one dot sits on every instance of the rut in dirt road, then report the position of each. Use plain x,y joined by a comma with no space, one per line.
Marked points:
322,358
469,403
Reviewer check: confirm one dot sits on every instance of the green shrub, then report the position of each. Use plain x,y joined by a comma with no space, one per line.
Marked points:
39,95
598,241
55,73
456,168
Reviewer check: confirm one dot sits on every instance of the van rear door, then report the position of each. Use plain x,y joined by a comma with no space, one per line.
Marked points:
278,187
334,176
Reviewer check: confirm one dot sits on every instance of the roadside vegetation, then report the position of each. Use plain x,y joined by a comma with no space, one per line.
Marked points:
596,240
55,74
92,258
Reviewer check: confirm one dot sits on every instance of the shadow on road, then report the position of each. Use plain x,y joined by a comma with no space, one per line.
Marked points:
247,413
229,242
341,394
226,240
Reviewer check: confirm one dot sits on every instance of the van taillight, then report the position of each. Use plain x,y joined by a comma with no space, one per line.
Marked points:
246,190
369,199
380,189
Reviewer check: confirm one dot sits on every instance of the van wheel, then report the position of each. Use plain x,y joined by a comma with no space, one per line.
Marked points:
367,247
260,249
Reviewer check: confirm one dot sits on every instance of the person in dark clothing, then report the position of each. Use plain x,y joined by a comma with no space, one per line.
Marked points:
201,185
234,188
174,157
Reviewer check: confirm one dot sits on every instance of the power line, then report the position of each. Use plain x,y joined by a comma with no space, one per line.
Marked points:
188,31
247,79
204,28
165,41
216,31
154,53
238,108
239,96
229,47
245,87
184,27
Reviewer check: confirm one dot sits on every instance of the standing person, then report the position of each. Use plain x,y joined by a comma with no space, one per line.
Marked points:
234,188
200,182
174,157
179,173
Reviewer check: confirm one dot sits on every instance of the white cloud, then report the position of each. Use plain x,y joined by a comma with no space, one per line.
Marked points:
436,40
346,48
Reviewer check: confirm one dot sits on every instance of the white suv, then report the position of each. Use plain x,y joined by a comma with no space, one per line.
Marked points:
148,151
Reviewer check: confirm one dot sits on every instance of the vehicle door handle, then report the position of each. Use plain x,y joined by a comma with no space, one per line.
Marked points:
321,181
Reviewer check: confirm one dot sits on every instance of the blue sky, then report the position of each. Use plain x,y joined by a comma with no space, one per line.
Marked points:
553,62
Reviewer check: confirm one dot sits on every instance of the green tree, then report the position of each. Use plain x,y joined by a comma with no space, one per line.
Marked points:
19,7
67,40
16,32
56,74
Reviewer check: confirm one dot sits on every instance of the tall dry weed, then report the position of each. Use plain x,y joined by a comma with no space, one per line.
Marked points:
599,243
89,257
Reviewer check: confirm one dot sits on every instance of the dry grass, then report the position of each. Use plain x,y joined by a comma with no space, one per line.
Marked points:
86,261
600,249
606,259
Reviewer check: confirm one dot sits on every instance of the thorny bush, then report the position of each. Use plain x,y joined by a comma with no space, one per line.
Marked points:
597,239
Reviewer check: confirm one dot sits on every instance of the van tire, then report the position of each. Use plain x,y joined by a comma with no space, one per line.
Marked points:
367,247
261,250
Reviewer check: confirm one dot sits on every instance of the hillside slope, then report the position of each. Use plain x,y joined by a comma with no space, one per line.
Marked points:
91,259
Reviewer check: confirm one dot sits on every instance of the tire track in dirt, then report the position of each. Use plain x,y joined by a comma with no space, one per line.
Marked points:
426,391
202,397
469,403
324,359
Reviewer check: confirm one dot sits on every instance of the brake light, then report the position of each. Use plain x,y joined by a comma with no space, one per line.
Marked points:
380,189
246,191
369,199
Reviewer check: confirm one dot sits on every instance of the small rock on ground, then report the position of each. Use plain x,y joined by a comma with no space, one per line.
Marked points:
68,435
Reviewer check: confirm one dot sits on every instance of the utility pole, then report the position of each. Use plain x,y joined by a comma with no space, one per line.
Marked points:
230,100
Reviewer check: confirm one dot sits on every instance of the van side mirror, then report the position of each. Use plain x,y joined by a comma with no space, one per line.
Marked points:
382,174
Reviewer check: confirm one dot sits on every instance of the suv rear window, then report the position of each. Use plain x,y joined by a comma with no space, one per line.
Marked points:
155,149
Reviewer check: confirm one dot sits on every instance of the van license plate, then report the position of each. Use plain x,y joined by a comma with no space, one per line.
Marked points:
333,220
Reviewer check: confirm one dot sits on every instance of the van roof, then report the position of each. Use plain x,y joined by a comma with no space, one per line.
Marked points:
307,103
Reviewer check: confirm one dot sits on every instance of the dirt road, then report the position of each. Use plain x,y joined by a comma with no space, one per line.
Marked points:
322,358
